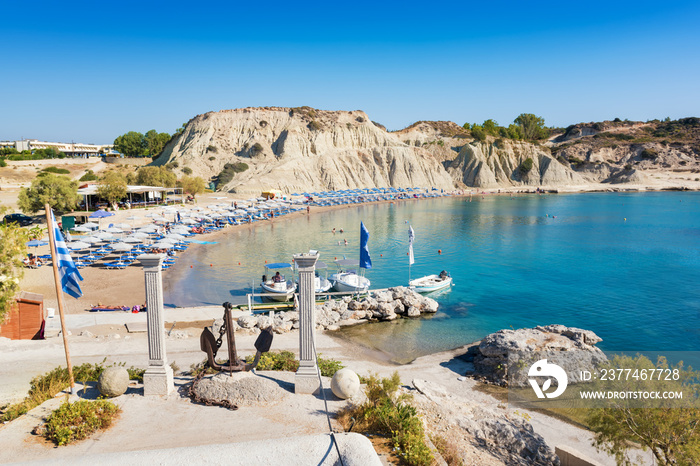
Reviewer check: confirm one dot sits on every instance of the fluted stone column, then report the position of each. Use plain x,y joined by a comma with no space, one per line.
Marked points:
158,378
306,378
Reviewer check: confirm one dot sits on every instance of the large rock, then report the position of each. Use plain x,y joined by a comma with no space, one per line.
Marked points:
345,384
506,436
242,389
504,357
113,381
247,321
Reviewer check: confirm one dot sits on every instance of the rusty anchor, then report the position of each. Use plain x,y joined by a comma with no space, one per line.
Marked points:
210,345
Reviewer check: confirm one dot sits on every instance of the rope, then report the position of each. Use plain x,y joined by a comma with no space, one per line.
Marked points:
325,402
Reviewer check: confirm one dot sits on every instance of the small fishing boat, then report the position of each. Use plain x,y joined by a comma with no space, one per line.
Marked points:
431,283
347,279
275,283
321,284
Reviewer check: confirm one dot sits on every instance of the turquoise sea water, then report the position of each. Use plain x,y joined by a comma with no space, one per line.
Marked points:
626,266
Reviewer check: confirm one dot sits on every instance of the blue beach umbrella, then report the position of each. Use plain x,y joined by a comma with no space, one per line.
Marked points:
35,243
101,214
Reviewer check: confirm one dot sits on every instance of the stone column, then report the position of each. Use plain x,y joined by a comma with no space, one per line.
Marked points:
158,378
306,378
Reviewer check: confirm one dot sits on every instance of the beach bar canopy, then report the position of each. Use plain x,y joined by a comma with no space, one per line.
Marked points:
151,191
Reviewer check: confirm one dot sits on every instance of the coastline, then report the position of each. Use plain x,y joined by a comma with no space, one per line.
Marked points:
126,288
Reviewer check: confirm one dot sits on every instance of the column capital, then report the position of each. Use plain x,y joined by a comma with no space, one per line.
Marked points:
151,260
305,261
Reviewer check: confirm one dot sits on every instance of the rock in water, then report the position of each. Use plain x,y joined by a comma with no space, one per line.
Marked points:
345,384
504,357
113,381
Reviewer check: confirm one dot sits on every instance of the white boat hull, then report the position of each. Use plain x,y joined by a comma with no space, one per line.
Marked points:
349,282
429,283
283,291
321,285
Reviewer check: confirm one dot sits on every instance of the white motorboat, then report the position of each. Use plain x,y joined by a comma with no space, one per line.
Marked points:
346,279
276,283
321,284
431,283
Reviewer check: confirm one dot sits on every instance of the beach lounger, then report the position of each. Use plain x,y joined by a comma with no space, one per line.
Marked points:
116,265
108,309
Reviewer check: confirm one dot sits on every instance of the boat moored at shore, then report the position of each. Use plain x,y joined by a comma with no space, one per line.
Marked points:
347,279
431,283
277,284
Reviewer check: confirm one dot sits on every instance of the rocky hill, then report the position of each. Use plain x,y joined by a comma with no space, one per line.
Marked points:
300,149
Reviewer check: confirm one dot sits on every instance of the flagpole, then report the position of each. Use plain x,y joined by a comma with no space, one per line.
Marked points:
59,296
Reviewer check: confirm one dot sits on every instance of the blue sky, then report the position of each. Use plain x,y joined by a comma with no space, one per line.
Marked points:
90,71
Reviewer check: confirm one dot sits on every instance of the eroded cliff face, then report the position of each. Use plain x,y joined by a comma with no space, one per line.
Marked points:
504,164
304,149
301,149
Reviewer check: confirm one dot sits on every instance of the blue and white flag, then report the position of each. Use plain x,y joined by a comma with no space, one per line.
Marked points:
365,260
411,237
66,268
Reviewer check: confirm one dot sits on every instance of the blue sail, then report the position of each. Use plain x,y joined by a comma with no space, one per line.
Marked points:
365,260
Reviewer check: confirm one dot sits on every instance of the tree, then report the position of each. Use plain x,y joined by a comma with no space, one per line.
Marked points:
155,176
192,185
478,132
60,192
49,153
532,127
13,248
131,144
112,187
671,432
155,142
491,127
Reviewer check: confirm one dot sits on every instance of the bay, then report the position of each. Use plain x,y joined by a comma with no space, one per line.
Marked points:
625,265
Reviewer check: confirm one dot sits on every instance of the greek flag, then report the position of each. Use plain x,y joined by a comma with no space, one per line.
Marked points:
66,268
411,237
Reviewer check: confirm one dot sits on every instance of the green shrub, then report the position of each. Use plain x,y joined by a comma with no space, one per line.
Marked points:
229,171
212,149
256,149
576,162
389,415
2,162
526,166
212,158
649,154
187,170
45,387
277,361
286,361
478,133
56,170
77,421
88,176
314,125
25,155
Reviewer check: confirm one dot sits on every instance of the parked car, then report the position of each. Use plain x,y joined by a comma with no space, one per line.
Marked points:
22,219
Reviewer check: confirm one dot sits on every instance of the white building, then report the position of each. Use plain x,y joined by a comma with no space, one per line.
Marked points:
68,148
